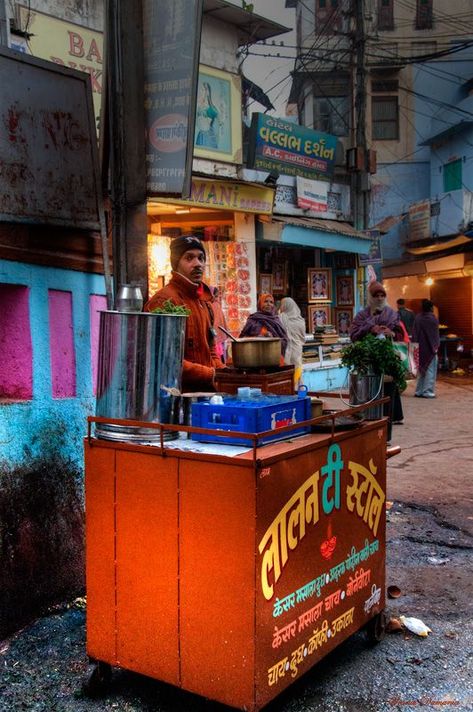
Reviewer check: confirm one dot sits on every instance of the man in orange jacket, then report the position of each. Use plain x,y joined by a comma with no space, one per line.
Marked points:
187,288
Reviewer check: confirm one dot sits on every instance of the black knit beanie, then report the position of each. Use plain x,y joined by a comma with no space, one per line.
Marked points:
181,244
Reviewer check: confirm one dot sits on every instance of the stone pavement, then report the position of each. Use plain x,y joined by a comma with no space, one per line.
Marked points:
436,462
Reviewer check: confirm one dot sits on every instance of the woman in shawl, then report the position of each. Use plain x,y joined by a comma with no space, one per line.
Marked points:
426,332
265,322
294,324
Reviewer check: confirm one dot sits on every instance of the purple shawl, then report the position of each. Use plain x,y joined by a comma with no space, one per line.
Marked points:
271,322
426,333
364,322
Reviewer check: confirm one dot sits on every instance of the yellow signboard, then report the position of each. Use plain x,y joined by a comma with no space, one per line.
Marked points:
223,195
67,44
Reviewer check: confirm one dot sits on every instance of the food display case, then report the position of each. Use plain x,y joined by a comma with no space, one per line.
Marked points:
231,571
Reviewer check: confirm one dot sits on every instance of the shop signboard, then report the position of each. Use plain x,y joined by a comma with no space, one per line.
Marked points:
419,221
312,194
331,501
67,44
48,149
225,195
290,149
171,35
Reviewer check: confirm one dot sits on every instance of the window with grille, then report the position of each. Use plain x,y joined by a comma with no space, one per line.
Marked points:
328,16
384,118
332,114
424,15
452,176
385,15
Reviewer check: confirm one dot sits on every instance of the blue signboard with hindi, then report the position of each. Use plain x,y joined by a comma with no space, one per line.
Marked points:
279,145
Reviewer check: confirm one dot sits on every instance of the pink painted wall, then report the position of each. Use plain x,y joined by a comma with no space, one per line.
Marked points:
61,341
97,304
16,353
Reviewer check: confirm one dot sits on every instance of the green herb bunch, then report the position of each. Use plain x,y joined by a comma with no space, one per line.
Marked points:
372,355
169,307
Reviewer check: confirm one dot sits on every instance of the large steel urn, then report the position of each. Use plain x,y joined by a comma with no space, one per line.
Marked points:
140,359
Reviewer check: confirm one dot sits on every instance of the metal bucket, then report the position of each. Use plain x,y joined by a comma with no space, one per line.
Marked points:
364,388
138,354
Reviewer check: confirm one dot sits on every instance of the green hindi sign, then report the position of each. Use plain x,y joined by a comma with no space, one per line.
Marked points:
279,145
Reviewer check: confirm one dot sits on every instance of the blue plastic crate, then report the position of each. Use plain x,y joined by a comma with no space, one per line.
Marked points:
267,412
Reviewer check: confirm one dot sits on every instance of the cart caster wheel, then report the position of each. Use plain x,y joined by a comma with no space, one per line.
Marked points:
98,680
376,628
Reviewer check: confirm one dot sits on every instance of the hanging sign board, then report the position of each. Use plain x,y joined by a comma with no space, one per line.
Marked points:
223,195
48,144
290,149
419,221
171,56
312,195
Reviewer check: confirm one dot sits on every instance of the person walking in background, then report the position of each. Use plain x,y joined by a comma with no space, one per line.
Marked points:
294,324
265,322
426,333
406,315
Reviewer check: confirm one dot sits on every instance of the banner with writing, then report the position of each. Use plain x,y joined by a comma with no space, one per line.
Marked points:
320,555
171,35
279,145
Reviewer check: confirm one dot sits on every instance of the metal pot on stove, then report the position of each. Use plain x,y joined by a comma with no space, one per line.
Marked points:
255,352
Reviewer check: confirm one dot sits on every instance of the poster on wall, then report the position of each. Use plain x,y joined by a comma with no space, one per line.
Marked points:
343,320
374,255
318,315
228,268
345,291
319,283
218,127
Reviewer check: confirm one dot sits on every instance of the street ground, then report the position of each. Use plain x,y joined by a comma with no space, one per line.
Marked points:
429,558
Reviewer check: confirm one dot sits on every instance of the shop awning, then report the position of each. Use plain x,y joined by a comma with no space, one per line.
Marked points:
311,232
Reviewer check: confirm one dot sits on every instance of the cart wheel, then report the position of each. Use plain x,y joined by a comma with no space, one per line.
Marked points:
376,628
98,679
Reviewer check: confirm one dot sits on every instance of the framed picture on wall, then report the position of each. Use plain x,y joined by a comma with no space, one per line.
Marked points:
265,283
279,277
345,291
319,282
343,320
318,315
218,135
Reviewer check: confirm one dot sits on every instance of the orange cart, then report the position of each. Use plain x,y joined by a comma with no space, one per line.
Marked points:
227,576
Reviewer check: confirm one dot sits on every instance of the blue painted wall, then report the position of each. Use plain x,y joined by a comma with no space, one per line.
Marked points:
435,87
45,427
395,187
